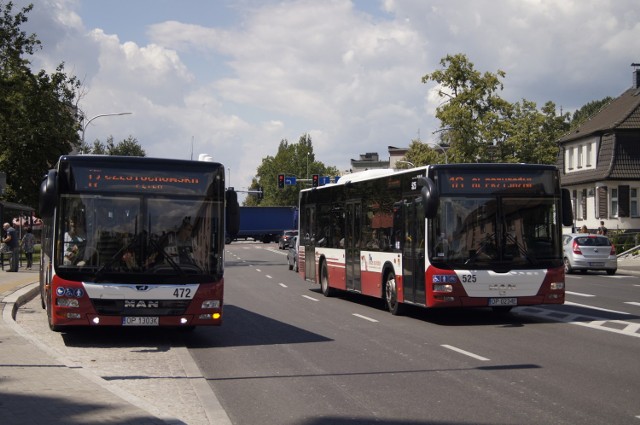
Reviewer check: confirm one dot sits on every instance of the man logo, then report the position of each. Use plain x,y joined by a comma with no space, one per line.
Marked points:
141,304
142,287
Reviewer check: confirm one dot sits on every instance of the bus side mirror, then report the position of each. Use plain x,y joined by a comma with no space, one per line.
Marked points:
567,209
48,193
232,222
430,196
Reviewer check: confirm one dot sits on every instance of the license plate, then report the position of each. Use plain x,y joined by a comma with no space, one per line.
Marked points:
596,264
503,301
141,321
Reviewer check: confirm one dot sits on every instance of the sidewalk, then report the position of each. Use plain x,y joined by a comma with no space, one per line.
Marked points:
35,388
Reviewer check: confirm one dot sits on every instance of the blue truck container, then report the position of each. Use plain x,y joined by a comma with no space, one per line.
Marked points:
265,224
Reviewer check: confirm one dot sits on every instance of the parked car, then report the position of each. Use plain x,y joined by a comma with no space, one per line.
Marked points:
285,238
292,254
589,252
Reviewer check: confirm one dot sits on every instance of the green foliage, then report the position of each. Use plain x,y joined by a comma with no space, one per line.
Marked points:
126,147
422,154
292,159
38,115
479,126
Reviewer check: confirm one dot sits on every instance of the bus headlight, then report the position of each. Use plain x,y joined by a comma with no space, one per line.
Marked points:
557,286
67,302
443,288
211,304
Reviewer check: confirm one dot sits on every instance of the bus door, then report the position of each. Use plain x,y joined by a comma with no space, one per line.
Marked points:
353,224
413,251
308,239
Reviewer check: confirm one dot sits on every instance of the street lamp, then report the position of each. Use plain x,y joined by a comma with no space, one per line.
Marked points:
84,127
444,151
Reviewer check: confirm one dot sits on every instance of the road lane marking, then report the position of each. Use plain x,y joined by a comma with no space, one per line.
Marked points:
310,298
258,270
268,276
283,285
599,323
632,303
595,308
466,353
365,317
579,294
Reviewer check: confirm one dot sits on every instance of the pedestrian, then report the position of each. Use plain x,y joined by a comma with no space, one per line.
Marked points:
584,229
28,241
13,243
602,230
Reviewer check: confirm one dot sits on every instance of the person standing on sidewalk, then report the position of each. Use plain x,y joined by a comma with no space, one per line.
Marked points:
28,242
13,243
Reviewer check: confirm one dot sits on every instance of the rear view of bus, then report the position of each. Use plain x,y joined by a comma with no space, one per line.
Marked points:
132,241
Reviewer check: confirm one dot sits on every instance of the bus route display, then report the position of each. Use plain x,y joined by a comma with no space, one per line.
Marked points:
126,180
495,181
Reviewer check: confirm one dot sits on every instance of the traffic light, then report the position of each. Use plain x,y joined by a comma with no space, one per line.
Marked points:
280,181
314,180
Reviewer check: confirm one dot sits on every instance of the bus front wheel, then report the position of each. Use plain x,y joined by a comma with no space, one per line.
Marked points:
327,291
391,295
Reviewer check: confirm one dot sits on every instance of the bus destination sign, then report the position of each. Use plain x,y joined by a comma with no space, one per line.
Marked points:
452,182
123,180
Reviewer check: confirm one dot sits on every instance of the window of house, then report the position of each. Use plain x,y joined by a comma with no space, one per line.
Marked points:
589,159
570,159
614,202
580,152
633,202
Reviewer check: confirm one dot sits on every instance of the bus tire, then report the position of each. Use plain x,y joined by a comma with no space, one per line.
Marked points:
327,291
391,295
55,328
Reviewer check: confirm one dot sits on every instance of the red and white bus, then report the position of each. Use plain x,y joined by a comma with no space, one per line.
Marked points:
132,241
448,235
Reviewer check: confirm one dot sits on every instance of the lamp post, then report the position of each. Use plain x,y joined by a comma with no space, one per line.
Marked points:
84,127
444,151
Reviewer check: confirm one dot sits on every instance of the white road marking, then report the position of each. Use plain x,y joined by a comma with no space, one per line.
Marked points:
365,317
579,294
310,298
258,270
594,308
632,303
283,285
466,353
268,277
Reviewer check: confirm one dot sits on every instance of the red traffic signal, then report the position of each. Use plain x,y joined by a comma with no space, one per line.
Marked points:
315,179
280,181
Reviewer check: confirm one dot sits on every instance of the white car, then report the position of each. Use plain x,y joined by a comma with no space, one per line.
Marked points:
584,251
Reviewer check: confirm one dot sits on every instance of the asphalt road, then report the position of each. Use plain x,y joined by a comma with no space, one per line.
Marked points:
288,355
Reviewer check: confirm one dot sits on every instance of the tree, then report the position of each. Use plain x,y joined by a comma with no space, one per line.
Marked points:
38,116
294,160
422,154
480,126
472,112
126,147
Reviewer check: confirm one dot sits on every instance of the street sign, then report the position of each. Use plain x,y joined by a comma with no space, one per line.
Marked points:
290,181
325,180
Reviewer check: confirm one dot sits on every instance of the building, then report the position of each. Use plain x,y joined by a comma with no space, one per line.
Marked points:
599,163
368,161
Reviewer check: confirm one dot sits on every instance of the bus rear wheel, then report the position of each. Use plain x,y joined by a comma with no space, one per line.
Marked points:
391,295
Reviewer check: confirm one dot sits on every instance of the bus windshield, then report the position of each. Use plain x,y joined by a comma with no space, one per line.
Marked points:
140,236
494,231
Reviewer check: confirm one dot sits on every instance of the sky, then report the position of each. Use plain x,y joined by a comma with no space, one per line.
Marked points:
232,79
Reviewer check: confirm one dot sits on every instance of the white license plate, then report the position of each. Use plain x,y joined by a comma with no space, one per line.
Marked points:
596,264
141,321
503,301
